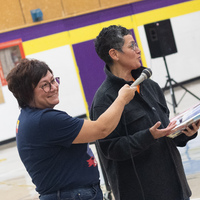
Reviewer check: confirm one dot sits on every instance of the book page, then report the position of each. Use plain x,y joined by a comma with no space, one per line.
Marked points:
185,119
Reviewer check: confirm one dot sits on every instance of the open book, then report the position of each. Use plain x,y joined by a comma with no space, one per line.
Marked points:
185,119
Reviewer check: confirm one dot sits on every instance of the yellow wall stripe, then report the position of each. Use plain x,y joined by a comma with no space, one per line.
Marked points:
167,12
46,43
124,21
84,34
90,32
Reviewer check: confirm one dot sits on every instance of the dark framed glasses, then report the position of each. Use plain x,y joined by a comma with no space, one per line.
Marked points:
47,86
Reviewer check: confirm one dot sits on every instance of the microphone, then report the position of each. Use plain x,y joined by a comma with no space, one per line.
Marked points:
146,73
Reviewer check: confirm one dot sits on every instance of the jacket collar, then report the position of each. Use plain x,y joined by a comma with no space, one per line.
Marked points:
135,73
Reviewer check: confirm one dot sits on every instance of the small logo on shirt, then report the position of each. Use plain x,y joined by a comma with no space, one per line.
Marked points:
17,126
92,161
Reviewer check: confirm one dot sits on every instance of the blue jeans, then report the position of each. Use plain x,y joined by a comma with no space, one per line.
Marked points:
84,193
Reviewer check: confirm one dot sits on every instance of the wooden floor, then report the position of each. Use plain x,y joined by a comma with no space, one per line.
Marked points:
15,184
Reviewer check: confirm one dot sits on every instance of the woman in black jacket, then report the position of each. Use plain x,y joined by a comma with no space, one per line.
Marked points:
140,161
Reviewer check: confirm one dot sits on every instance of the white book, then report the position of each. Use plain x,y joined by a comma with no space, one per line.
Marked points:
185,119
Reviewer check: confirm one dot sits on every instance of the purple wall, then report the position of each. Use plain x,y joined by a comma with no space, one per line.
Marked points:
90,68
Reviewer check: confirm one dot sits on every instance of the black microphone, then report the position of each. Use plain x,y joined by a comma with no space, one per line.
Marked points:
146,73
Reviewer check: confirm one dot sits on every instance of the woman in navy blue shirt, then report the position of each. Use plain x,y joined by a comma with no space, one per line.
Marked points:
52,145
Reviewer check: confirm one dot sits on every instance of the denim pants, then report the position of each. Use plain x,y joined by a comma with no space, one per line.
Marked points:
83,193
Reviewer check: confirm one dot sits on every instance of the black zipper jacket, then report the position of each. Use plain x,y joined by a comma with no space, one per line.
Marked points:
138,167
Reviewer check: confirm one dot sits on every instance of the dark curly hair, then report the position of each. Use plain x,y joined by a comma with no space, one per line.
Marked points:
23,79
111,37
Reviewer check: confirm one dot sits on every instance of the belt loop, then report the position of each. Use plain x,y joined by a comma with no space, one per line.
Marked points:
58,195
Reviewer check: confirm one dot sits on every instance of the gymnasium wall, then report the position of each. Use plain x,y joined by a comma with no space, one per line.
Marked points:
17,13
66,45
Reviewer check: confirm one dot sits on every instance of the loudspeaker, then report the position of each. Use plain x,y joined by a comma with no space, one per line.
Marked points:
160,38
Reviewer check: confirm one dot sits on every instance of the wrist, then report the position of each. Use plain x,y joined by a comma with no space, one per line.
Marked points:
121,101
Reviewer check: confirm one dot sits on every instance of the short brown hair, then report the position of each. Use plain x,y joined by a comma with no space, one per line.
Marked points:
23,79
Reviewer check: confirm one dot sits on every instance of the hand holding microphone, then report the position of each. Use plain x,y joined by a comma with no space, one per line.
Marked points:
146,73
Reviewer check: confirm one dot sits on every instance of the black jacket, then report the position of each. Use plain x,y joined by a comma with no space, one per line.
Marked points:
139,167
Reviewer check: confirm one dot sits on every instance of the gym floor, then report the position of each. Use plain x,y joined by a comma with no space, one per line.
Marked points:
15,183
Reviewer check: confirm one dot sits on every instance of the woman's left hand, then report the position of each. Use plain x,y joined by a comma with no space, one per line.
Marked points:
191,131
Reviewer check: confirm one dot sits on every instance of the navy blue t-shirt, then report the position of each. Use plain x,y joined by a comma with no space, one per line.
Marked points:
44,141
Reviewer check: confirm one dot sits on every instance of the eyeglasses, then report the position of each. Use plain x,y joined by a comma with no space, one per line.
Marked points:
134,46
47,86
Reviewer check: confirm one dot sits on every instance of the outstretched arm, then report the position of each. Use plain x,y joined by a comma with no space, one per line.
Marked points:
107,122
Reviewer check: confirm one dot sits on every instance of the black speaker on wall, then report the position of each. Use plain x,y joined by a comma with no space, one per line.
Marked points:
160,38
